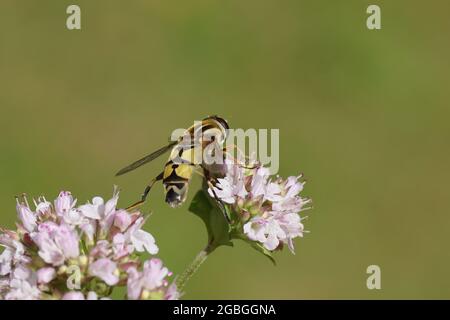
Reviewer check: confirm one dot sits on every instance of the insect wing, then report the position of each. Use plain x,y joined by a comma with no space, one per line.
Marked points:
146,159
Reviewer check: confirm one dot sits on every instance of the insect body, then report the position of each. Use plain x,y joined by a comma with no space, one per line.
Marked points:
205,137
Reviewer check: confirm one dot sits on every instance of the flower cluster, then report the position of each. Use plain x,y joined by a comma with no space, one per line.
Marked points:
65,251
263,210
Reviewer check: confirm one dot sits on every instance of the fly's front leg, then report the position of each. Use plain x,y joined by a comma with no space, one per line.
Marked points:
240,155
219,202
146,192
210,181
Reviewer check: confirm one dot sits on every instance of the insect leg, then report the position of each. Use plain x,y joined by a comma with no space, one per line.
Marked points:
240,153
209,180
219,202
146,191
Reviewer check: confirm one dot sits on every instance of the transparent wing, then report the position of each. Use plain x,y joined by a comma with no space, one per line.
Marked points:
146,159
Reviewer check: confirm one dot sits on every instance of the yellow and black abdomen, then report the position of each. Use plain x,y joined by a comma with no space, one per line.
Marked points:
178,172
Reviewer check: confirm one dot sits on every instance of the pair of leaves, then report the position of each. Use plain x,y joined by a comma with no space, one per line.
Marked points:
220,232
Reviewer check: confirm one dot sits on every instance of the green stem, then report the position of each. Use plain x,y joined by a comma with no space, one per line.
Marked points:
192,268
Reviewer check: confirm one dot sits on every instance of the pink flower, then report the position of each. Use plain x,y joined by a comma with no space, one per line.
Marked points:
64,203
44,253
45,275
56,243
73,295
121,246
154,274
89,228
6,261
67,239
150,279
43,207
23,285
122,220
14,254
134,284
27,217
172,292
105,270
101,250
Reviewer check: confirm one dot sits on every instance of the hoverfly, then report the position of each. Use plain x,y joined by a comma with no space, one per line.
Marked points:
184,159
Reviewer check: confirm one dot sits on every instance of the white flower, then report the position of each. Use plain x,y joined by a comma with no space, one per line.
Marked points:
74,217
104,269
95,209
292,227
268,209
259,182
232,185
266,231
141,240
274,229
92,295
290,201
99,210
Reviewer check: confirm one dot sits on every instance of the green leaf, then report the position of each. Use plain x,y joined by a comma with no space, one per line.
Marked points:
255,245
216,224
260,248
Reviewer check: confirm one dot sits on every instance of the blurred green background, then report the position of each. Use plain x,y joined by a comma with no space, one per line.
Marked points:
364,114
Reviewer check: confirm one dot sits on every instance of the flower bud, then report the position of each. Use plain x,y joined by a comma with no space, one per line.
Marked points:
62,270
83,261
145,294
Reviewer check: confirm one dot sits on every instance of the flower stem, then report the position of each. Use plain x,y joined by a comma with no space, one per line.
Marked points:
192,268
